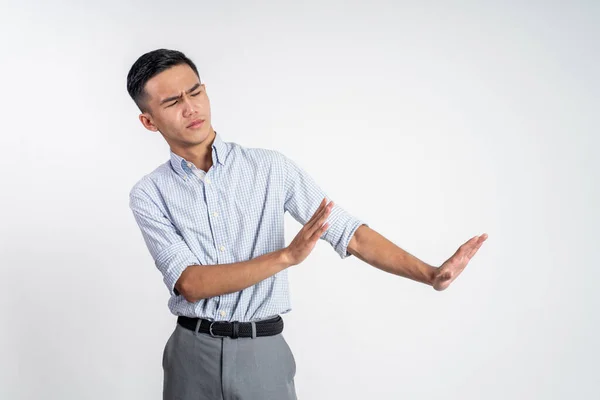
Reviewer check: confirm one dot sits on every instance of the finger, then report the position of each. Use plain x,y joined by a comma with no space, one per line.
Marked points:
467,247
477,240
444,276
309,225
319,210
318,221
463,249
472,253
325,213
319,232
471,241
316,213
322,219
477,245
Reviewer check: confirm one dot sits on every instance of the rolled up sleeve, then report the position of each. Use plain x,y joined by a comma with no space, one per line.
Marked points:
302,198
168,249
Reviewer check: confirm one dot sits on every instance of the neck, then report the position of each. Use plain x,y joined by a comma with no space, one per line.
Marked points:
200,154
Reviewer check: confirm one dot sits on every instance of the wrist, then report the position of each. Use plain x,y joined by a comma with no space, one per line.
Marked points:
284,259
431,274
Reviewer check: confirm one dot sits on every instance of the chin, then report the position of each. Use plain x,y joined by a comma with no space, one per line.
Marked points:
196,137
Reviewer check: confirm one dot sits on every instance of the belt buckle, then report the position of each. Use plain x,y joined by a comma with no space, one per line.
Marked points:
235,333
210,327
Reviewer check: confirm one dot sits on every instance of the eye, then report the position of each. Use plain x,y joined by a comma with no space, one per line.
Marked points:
172,104
197,93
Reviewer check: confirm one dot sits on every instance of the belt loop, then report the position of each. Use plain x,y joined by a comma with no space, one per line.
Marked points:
235,329
253,329
197,326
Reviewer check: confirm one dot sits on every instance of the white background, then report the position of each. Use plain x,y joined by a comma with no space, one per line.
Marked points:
433,122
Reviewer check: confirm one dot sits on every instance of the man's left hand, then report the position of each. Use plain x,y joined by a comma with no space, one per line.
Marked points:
452,268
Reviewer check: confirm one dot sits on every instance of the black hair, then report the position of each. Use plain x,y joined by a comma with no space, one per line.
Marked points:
149,65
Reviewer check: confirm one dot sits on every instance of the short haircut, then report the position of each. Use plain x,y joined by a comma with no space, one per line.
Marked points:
149,65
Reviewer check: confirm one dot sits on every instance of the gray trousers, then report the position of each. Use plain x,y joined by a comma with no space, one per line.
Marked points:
198,366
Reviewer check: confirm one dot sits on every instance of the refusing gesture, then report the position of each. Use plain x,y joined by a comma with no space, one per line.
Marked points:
450,269
305,240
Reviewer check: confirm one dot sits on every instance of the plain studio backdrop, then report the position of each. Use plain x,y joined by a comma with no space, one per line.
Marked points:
433,122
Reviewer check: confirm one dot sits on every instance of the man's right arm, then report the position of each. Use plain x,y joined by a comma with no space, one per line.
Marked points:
184,275
204,281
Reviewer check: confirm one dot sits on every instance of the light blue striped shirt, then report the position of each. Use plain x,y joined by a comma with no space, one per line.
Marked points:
233,212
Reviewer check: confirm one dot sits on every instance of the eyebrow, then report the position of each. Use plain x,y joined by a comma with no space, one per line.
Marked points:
196,86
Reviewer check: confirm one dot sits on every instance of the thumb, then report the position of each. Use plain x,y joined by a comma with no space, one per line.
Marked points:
444,276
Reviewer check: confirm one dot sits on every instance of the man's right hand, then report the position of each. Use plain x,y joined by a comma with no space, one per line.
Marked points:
305,240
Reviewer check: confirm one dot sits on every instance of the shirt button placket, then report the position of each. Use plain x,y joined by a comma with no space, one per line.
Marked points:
215,220
216,223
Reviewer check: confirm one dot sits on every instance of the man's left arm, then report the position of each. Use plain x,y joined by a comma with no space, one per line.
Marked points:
374,249
351,236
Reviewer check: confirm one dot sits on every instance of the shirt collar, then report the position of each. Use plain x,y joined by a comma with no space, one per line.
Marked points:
219,152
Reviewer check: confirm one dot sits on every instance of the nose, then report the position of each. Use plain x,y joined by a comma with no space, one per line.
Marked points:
189,108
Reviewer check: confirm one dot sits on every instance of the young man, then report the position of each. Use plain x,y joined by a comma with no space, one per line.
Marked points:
212,217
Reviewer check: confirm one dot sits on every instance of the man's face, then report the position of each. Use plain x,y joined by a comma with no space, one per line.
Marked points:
175,99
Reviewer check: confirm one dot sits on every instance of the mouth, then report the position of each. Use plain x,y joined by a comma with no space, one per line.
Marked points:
196,123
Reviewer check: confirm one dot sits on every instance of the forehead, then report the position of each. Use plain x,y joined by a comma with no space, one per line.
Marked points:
171,82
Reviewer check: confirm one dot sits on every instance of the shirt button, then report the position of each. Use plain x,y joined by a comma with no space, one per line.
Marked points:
189,164
207,180
222,248
215,214
222,313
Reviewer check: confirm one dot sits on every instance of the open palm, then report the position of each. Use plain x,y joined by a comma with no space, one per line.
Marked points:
452,268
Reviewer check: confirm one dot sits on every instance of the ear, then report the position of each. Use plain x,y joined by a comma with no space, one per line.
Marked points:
146,120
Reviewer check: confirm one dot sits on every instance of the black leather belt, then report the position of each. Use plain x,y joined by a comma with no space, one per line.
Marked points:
235,329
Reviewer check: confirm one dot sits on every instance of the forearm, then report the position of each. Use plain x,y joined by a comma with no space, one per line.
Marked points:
374,249
204,281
